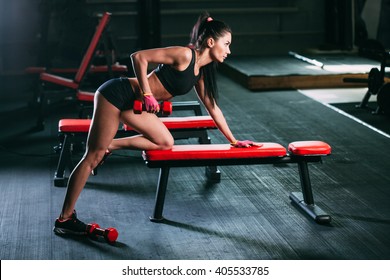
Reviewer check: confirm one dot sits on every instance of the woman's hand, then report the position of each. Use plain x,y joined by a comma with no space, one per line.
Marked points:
151,104
245,144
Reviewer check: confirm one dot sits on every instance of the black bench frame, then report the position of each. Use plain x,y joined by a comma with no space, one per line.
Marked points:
304,200
69,140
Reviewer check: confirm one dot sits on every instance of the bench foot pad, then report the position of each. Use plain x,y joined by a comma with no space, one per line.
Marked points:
313,210
156,220
59,181
213,174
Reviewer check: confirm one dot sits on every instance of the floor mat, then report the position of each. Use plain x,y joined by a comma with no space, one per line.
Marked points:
247,216
367,115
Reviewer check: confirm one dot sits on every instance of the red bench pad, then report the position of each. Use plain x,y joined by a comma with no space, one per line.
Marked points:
92,69
104,68
59,80
196,122
193,122
74,125
88,96
309,148
214,151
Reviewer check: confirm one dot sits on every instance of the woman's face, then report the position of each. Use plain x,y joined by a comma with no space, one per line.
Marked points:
220,48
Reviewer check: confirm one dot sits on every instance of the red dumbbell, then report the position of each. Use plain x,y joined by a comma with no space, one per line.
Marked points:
109,234
165,107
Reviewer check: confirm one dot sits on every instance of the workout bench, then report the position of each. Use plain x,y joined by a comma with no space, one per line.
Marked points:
301,153
65,83
180,127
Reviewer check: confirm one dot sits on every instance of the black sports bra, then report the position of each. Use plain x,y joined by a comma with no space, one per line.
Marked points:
177,82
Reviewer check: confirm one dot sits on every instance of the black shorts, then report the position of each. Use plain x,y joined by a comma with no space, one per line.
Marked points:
119,93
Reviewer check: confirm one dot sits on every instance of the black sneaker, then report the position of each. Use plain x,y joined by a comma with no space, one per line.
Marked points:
71,225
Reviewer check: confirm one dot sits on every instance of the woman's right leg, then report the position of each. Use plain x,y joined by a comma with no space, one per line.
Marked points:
104,126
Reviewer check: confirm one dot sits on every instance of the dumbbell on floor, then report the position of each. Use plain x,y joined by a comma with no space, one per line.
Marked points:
109,234
165,107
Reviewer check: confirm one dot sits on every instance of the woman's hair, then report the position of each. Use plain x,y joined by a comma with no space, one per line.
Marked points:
204,28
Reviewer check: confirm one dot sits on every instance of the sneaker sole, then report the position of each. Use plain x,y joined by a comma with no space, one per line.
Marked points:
63,231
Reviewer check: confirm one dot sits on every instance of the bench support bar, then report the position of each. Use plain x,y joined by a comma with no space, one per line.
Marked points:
160,195
303,200
312,210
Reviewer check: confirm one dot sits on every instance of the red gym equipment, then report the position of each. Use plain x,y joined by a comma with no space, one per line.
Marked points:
109,234
165,107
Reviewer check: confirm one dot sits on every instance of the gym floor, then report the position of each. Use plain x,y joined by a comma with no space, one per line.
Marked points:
248,215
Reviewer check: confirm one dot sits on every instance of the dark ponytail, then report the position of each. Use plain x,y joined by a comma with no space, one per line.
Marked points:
204,28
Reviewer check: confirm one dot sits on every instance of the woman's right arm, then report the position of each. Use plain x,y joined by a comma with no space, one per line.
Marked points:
174,56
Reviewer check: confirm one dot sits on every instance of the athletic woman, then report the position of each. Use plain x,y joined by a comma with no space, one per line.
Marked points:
180,69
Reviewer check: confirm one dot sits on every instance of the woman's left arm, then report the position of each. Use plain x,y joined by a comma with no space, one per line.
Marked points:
219,119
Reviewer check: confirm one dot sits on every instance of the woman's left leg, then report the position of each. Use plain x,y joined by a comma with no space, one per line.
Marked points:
153,133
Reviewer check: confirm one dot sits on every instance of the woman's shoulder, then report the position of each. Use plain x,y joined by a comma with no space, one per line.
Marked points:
183,50
182,54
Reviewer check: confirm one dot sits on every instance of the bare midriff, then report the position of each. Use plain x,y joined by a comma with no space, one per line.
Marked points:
158,90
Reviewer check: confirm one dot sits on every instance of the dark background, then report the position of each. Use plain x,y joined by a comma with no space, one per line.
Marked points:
56,33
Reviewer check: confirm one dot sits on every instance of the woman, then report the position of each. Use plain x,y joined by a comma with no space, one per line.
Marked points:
179,70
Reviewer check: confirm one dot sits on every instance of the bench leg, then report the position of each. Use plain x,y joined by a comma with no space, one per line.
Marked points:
212,172
63,161
160,195
187,106
305,199
39,104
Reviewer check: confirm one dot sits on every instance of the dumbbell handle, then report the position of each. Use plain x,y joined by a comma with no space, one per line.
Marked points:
109,234
165,107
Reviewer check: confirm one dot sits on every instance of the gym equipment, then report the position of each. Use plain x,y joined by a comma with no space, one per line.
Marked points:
109,234
76,130
383,99
71,85
165,107
306,59
376,77
301,152
374,82
119,69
